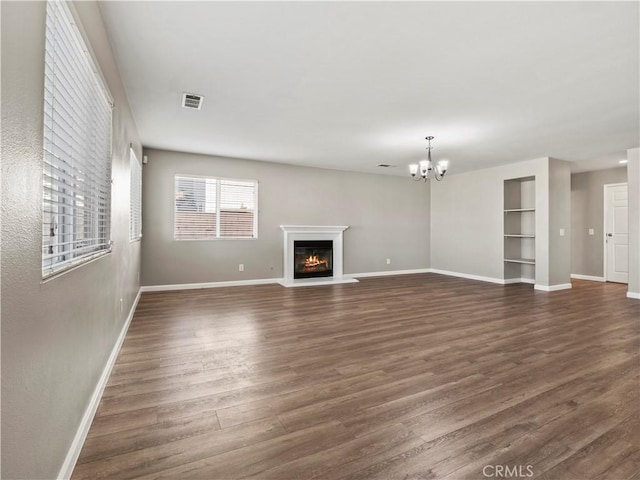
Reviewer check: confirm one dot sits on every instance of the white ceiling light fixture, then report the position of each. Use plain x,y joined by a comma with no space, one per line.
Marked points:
425,170
192,100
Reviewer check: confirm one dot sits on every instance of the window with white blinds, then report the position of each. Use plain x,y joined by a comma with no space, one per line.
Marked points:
135,195
209,208
77,149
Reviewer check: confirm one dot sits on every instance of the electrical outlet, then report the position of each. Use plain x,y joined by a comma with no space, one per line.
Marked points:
562,232
592,231
388,261
241,267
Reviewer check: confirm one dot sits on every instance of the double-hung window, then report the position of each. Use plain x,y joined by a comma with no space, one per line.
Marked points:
135,196
210,208
77,148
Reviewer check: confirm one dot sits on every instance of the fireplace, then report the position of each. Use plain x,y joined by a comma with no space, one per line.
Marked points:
326,269
312,258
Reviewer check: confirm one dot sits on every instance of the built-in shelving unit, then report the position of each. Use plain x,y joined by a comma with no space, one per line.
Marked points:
528,261
519,229
513,210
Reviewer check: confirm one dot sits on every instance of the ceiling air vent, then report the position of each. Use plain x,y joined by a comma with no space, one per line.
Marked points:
191,100
385,165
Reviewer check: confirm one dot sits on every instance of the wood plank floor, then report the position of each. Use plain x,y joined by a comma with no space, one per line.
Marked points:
407,377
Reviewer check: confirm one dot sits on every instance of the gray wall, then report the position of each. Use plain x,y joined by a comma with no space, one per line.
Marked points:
467,220
587,211
57,335
388,217
559,219
633,171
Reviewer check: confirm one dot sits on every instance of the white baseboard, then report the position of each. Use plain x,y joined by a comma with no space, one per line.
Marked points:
553,288
509,281
468,276
591,278
194,286
388,273
267,281
83,429
348,278
312,282
635,295
501,281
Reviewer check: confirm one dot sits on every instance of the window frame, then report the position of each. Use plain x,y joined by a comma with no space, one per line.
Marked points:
217,237
133,159
66,21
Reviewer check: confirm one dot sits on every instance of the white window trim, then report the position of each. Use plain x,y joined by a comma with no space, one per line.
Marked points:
55,270
218,179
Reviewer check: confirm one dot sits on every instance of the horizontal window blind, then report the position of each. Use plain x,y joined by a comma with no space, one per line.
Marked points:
209,208
195,208
77,148
135,195
237,208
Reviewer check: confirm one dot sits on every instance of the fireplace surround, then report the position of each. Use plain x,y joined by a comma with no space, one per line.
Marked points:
315,234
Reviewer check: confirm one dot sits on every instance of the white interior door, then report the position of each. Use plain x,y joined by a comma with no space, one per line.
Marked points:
616,233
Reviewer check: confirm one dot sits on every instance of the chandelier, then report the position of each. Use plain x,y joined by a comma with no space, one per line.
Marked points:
425,170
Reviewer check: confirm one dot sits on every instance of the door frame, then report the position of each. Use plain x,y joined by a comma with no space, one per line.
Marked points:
604,224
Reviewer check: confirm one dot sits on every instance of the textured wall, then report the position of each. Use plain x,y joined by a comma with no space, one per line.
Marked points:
57,335
388,217
587,211
559,219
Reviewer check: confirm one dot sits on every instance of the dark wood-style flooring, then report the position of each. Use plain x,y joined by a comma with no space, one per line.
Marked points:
407,377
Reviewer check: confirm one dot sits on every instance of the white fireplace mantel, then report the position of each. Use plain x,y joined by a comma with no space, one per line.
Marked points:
314,232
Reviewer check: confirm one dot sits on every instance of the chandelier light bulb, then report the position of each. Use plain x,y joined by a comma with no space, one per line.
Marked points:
413,169
443,165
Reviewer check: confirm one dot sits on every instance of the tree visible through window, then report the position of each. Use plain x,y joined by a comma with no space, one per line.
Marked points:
209,208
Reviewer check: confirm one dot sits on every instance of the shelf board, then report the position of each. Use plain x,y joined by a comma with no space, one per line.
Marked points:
528,261
520,235
517,210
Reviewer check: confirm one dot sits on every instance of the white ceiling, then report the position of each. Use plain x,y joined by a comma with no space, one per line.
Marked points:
352,85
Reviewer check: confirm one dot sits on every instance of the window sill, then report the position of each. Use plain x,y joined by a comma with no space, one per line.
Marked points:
74,266
212,239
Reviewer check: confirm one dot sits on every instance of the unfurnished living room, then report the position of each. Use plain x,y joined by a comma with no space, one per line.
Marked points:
320,240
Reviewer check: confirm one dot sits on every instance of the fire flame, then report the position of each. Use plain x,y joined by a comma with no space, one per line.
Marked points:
312,261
